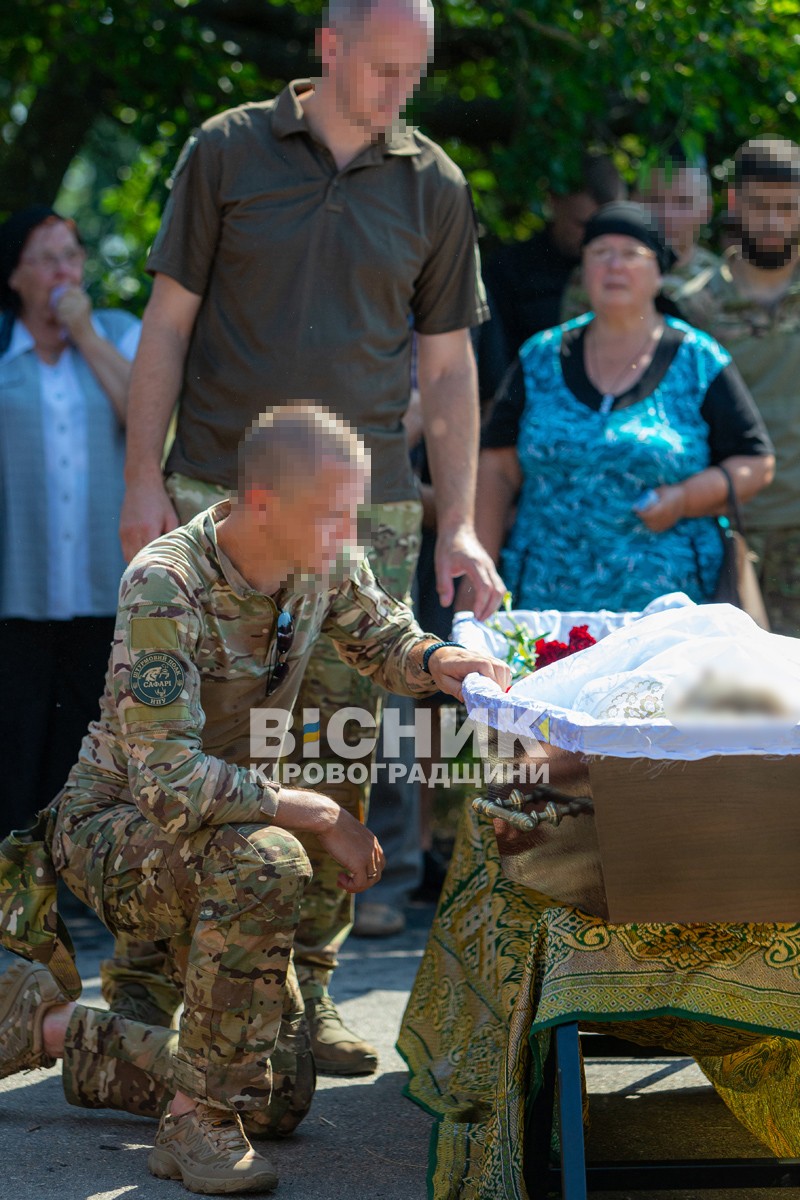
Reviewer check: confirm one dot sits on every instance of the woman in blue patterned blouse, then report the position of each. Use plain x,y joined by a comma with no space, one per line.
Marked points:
608,435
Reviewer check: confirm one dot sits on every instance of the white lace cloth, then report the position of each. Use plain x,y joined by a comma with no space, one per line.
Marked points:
609,698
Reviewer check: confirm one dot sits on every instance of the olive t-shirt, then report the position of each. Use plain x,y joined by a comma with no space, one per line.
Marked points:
312,279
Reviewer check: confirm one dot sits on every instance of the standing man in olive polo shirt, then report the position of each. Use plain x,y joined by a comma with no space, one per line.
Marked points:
300,235
751,304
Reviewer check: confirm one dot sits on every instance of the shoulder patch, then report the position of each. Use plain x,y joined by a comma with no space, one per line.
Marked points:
157,679
154,633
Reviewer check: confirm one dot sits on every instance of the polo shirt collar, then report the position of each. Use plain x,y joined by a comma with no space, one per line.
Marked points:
289,118
21,342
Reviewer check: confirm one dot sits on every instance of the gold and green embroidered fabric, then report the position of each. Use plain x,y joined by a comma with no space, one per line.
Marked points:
504,965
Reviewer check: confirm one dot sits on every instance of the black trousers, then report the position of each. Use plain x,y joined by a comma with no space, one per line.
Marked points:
51,681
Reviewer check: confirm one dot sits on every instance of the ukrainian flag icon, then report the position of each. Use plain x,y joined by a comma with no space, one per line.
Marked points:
311,739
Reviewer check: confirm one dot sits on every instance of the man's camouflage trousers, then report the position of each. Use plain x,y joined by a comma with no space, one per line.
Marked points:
392,541
226,902
778,569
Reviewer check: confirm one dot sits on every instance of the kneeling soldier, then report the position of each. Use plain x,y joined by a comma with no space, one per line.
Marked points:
164,830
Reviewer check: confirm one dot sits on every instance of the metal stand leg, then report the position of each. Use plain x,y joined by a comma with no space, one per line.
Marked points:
570,1112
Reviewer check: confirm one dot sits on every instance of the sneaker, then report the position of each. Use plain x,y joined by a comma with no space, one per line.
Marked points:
377,920
337,1050
27,991
208,1151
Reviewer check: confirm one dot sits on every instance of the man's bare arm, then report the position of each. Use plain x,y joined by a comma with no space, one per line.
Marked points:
449,389
155,385
499,482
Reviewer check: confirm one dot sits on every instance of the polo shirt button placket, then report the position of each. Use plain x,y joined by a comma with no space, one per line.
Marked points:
335,202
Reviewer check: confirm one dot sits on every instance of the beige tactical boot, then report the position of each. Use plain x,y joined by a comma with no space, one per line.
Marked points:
336,1049
27,992
207,1150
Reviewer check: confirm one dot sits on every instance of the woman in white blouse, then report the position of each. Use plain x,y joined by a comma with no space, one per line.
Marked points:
64,371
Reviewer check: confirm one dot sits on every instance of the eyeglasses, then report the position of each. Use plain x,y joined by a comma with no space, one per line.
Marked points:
51,262
630,256
284,640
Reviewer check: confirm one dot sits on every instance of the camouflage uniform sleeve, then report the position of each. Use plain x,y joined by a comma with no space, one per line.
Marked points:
156,690
375,635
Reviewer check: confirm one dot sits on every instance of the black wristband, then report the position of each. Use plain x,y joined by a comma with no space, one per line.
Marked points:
432,650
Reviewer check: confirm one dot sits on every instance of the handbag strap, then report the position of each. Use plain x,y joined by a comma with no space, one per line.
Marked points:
734,507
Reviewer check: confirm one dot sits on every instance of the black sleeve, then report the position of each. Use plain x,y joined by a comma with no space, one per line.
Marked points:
735,426
491,352
502,427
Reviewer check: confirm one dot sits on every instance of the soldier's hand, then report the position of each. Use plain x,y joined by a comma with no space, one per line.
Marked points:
357,851
348,842
450,666
147,512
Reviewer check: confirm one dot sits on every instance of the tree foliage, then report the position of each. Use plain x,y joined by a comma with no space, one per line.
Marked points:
96,96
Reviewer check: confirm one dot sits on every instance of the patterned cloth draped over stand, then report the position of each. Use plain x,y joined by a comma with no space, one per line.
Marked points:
503,965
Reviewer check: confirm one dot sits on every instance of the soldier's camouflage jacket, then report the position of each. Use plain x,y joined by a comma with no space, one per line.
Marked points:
764,342
192,654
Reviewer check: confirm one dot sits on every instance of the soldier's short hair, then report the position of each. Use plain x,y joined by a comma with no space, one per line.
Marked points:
767,160
293,442
353,13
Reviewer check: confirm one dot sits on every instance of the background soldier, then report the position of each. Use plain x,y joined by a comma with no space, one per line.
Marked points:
751,304
165,831
299,236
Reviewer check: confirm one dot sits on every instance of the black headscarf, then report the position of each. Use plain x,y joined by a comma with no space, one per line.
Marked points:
635,221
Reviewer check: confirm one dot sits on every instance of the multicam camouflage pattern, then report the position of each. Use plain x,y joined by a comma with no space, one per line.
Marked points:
185,764
684,280
764,342
167,839
227,899
112,1062
29,920
392,535
778,568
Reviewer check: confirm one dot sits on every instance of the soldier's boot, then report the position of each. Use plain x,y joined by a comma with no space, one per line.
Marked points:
27,992
208,1151
337,1050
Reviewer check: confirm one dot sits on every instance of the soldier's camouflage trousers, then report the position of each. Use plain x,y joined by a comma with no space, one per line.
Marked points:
225,901
778,571
327,911
112,1062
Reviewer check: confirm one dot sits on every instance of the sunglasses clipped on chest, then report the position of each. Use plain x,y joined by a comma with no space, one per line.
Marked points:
282,643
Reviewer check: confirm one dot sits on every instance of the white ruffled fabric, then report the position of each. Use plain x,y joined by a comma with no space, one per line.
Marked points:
609,698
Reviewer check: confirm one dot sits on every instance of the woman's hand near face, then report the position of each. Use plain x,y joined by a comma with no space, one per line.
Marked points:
73,310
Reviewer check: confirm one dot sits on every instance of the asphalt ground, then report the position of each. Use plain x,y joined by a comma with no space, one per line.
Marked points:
362,1138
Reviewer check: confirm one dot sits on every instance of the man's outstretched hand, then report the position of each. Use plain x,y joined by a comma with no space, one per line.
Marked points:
450,666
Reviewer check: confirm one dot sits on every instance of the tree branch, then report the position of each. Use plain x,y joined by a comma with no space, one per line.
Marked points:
32,167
